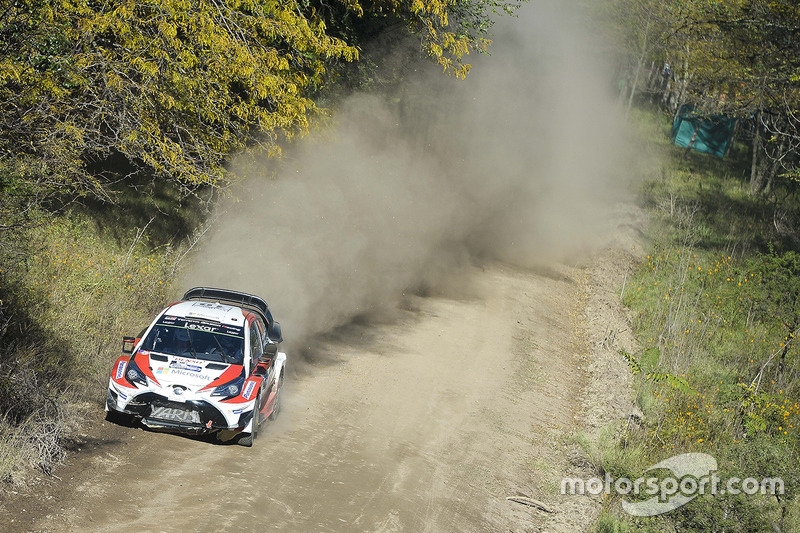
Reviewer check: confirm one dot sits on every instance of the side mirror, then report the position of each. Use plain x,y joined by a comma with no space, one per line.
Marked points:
262,368
128,344
274,332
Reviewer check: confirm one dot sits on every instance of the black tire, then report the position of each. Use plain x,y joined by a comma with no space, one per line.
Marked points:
246,439
277,407
121,419
257,416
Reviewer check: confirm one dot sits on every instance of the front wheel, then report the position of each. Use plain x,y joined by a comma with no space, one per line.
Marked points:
121,419
246,439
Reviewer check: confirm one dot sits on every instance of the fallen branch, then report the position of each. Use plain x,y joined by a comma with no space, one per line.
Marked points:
530,503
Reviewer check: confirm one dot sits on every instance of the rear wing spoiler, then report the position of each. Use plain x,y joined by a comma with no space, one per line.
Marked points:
243,299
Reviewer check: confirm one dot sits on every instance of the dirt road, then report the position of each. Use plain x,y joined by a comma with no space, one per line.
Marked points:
425,423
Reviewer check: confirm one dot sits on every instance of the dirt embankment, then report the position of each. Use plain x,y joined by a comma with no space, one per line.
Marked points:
427,422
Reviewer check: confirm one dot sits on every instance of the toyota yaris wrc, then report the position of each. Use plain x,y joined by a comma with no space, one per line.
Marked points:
207,364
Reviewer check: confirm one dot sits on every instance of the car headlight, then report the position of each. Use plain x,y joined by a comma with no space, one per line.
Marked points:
134,374
230,389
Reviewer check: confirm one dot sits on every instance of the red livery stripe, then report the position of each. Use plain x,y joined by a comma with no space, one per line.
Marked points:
145,365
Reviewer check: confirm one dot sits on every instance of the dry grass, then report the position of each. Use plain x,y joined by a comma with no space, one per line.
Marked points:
68,293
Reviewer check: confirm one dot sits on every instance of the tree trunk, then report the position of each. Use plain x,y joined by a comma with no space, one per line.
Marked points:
676,97
733,137
667,91
774,165
694,138
638,67
680,88
653,82
756,176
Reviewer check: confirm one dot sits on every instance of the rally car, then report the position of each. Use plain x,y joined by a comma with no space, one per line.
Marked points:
209,363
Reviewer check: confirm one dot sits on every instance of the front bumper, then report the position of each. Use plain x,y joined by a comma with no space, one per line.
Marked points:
194,417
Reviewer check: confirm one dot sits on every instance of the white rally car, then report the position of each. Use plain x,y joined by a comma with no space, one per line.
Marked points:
209,363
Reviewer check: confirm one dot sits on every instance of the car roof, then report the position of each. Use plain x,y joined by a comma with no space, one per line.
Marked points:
245,301
214,311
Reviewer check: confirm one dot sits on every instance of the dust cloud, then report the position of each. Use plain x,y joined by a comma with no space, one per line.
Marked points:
519,163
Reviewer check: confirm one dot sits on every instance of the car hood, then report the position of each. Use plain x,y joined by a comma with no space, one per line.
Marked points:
193,374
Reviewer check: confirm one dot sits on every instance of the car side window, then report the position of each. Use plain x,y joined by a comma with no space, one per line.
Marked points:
262,330
256,347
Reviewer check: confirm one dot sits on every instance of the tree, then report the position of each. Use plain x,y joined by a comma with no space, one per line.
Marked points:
735,57
176,86
451,29
749,68
764,39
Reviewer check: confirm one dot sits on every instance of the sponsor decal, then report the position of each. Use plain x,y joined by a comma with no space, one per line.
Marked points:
237,411
201,323
189,373
120,369
248,390
179,372
210,305
176,394
201,327
183,365
205,313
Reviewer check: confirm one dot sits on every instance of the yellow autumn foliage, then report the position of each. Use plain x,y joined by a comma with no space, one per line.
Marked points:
180,85
174,84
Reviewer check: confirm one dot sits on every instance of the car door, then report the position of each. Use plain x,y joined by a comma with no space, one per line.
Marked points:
256,353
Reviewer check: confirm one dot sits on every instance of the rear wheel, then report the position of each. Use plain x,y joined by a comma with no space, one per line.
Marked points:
277,405
258,417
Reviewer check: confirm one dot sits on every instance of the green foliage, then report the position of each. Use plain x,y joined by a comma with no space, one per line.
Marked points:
715,300
676,382
448,30
177,86
737,57
650,359
779,276
633,363
648,363
608,523
744,49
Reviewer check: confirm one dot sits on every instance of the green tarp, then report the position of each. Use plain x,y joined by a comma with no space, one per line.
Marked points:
714,135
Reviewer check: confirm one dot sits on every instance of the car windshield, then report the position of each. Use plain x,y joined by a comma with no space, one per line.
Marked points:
187,341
